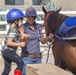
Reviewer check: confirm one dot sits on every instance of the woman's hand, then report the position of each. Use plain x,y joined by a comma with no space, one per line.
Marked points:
50,37
25,36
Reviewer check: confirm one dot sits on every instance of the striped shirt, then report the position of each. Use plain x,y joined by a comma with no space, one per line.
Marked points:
14,34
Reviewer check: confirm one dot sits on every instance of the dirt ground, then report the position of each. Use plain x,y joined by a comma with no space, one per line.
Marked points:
2,66
51,60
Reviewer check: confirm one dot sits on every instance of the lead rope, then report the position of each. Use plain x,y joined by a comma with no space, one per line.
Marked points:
49,46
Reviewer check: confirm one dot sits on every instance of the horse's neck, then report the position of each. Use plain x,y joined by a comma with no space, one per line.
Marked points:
60,20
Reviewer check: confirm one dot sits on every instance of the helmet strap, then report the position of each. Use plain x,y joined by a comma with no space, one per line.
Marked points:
16,22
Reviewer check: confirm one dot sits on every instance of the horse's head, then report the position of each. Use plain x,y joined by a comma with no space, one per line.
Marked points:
50,20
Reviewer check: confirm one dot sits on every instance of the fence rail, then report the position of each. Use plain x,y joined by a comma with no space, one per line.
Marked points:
40,22
41,12
3,13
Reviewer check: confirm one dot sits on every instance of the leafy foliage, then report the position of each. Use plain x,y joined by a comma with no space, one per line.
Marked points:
51,6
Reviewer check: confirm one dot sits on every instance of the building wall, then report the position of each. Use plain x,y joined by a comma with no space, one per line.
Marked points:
67,5
27,3
2,3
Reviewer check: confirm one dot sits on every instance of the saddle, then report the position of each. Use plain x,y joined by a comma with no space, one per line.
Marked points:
67,31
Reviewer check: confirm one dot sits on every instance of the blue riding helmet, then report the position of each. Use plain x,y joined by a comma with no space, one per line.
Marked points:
30,12
14,14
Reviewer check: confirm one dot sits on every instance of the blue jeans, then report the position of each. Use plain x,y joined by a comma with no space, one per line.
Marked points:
28,60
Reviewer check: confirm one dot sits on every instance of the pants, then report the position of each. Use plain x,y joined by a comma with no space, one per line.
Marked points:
9,57
28,60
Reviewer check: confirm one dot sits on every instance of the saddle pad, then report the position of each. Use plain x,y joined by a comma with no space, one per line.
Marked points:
63,29
70,21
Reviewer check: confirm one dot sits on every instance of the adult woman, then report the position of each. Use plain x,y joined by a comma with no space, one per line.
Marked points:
31,52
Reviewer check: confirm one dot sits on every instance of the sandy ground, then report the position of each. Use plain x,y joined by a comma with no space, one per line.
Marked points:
51,60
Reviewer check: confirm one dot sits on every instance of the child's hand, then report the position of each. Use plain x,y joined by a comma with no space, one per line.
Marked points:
26,36
22,44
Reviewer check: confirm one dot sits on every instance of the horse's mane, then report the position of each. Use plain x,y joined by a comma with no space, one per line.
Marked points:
54,20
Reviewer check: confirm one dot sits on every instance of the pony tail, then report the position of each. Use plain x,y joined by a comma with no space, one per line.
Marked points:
13,25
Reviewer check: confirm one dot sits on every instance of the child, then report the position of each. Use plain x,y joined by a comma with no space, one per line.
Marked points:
14,18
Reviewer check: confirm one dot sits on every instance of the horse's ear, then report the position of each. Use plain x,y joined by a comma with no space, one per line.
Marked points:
44,10
59,9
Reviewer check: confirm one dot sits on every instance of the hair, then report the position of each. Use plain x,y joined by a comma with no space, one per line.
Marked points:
12,21
13,25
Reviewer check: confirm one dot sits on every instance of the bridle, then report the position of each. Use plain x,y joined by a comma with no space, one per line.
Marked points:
49,43
46,16
49,46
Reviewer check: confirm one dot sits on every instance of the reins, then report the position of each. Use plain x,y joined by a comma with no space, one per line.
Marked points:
52,42
49,46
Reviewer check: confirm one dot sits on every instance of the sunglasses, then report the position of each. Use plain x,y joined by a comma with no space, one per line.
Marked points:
33,17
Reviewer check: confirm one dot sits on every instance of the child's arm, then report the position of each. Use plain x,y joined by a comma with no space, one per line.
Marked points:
10,39
24,36
14,44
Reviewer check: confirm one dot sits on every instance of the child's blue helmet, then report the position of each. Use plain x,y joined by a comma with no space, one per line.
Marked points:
14,14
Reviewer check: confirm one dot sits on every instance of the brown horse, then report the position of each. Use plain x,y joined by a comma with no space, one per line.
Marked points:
64,52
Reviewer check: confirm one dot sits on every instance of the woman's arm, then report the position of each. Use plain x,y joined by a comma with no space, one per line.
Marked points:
44,39
48,38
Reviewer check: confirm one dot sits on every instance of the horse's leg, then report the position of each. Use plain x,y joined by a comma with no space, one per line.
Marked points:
62,64
55,49
56,53
69,55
